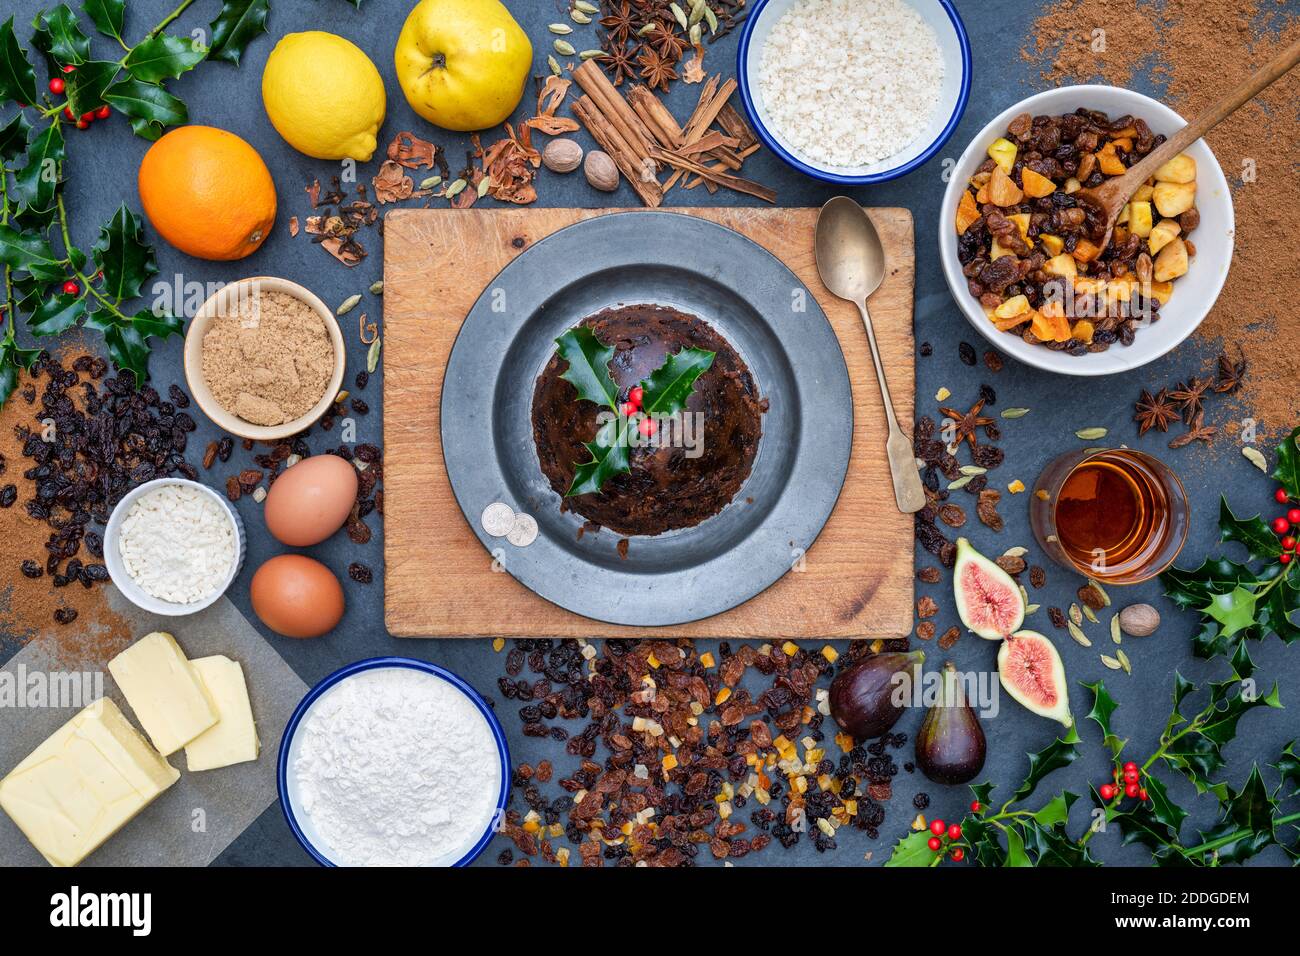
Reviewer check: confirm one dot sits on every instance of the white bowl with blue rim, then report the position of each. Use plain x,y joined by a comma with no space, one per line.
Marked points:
954,47
290,798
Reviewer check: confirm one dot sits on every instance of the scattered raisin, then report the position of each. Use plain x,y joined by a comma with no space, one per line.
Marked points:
966,352
360,573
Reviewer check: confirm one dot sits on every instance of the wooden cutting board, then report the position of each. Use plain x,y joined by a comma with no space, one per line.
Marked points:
856,581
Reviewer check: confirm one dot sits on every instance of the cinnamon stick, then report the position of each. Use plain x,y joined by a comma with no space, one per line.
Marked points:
613,142
614,108
684,165
712,99
656,116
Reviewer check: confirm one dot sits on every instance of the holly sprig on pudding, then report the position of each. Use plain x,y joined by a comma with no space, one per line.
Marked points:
664,392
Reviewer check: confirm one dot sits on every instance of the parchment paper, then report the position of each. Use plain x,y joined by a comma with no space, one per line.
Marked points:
199,815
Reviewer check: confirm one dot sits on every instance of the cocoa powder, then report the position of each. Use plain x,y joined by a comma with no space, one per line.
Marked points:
1197,50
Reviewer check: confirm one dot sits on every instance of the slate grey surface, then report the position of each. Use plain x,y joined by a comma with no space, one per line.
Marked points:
102,171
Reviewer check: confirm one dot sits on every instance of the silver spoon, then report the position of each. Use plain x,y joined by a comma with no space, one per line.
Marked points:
851,262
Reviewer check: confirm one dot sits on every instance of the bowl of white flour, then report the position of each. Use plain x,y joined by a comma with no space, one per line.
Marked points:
854,91
393,761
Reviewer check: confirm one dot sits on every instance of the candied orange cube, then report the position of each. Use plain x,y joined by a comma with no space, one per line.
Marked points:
1036,185
967,211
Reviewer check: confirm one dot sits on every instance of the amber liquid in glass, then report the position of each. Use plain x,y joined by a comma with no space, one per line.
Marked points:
1112,514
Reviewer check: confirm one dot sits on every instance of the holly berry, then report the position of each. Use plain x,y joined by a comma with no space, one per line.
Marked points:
1281,496
954,831
938,828
88,117
1293,516
68,68
975,807
71,288
627,409
934,843
1130,766
1288,543
1132,790
1108,791
1285,558
636,395
1281,525
82,124
57,85
1143,795
958,855
647,426
103,112
1131,776
68,114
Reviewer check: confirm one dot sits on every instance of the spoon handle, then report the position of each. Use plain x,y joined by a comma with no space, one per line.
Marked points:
1266,75
908,492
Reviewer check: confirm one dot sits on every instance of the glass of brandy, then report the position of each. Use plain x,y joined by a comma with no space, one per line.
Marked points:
1113,514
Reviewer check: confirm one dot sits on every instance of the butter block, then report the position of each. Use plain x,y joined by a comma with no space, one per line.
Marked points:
84,784
234,738
164,690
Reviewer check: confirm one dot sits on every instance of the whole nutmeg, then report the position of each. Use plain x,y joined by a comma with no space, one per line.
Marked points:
562,156
601,171
1139,620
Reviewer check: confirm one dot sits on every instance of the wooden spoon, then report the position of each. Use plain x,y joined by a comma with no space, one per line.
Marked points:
1109,198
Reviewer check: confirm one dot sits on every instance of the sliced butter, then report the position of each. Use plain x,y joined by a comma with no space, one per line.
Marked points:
164,690
84,784
234,739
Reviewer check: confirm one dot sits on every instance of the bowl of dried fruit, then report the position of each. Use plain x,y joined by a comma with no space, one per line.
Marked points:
1018,250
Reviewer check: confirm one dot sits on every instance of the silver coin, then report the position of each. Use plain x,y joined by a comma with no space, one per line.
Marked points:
498,519
524,532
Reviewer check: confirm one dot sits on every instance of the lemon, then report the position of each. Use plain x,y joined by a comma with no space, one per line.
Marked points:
324,96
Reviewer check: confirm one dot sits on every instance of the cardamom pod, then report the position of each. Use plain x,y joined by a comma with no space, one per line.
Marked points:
577,16
372,357
554,64
1112,663
1077,634
562,29
1014,412
564,48
430,183
1255,458
583,6
348,305
456,187
1091,434
377,288
680,16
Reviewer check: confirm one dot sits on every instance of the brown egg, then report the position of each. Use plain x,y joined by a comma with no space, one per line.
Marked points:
297,596
311,500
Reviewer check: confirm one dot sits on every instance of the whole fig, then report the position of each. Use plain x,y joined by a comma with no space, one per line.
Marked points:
950,746
869,695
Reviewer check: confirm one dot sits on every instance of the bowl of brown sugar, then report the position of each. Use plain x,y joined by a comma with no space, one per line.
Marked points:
264,358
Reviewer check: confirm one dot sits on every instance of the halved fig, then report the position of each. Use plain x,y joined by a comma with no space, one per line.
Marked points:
988,600
1031,671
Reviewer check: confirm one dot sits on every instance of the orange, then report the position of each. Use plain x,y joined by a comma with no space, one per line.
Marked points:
207,192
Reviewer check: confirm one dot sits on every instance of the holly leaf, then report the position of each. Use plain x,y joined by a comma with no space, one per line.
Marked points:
56,314
13,359
1248,818
588,369
1016,855
1288,765
1234,610
13,137
30,253
237,25
1057,810
1103,707
912,850
87,85
1052,846
670,385
35,183
983,840
58,35
163,57
1193,589
1287,471
128,342
1280,605
1060,753
149,107
1197,752
1161,807
123,256
609,457
107,15
1259,539
17,78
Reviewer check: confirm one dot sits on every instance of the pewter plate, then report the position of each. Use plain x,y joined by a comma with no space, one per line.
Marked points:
759,306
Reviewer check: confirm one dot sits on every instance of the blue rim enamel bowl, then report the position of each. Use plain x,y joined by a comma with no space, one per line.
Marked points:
300,823
954,46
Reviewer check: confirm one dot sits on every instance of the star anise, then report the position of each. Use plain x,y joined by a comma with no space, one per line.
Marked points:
1230,374
664,41
1188,397
620,24
966,424
1197,430
656,70
1155,411
618,63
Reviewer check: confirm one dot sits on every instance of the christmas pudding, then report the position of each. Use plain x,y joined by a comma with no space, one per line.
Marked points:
646,420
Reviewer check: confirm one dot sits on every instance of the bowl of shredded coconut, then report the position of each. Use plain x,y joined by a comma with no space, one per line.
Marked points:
173,546
854,91
394,761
